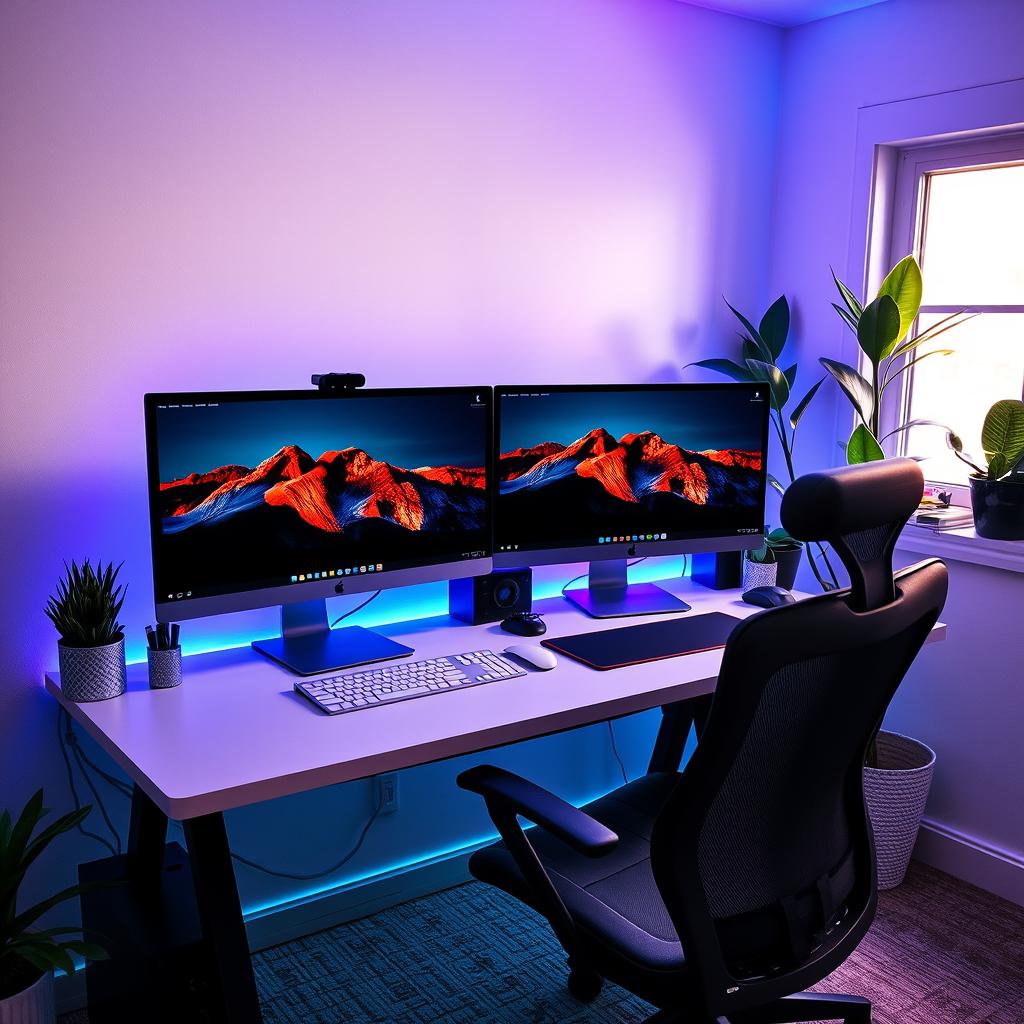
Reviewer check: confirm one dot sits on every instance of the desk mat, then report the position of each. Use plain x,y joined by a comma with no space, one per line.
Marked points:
650,641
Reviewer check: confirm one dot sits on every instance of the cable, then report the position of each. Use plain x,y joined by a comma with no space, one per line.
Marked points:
615,751
356,608
122,787
74,789
327,871
99,800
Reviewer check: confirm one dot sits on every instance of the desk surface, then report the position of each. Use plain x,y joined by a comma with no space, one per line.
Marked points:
236,733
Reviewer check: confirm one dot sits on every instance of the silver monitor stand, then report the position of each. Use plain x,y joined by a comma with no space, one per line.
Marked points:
308,646
609,595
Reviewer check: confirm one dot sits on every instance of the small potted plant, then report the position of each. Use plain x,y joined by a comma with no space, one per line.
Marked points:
91,645
997,493
787,551
28,955
759,567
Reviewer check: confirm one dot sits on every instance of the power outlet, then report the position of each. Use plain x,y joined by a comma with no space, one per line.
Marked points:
388,792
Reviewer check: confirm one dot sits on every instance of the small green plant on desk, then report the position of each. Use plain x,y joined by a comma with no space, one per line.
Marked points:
27,953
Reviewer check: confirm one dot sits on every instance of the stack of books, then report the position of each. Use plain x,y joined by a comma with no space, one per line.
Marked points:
955,517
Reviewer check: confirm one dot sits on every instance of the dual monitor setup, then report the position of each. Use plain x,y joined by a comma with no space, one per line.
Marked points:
261,498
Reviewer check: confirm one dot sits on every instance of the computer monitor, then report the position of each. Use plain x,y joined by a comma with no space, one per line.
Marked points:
609,472
260,498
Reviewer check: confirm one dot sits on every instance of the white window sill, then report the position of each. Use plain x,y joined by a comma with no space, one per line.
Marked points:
963,545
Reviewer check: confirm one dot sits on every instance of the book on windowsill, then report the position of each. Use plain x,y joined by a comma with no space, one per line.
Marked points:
953,518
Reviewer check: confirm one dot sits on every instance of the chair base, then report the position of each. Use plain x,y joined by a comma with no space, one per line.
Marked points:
805,1006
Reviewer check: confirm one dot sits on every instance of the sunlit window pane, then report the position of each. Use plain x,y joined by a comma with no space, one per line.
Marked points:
973,239
987,365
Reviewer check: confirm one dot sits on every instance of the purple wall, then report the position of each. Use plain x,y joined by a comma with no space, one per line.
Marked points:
235,194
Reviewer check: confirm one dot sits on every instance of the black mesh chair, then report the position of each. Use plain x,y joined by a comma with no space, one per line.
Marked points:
720,893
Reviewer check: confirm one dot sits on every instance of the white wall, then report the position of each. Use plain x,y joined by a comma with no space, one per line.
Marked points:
235,194
965,697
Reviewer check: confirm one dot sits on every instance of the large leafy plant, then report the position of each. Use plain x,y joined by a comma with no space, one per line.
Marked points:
882,328
1002,440
762,350
24,951
86,605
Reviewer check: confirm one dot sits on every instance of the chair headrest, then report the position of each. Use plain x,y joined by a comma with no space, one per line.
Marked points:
859,511
834,502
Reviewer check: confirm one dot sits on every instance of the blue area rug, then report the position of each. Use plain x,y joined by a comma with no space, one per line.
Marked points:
469,955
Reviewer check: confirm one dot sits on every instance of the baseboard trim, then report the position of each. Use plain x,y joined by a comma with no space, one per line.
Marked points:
985,865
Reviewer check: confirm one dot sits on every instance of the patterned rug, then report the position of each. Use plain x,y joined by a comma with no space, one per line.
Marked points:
939,952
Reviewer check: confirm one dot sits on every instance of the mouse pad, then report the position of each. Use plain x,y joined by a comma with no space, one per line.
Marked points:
651,641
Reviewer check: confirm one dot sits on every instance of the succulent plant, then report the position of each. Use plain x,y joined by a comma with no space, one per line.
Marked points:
86,605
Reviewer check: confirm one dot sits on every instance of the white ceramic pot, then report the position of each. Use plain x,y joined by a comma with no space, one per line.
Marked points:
895,793
32,1005
92,673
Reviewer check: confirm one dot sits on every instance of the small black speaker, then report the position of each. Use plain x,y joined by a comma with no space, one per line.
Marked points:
719,570
491,598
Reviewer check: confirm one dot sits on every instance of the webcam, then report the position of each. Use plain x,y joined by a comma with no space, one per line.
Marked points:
337,381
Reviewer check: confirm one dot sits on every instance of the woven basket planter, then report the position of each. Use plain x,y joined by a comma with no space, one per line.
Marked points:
32,1005
92,673
895,793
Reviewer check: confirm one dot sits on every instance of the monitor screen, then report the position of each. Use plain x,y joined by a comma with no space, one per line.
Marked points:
258,490
586,467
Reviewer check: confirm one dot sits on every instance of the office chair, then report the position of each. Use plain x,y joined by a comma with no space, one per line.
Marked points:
722,892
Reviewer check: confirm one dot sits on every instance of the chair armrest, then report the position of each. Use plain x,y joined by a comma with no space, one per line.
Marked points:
522,797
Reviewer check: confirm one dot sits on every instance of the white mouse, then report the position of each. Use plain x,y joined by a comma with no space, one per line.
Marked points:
538,657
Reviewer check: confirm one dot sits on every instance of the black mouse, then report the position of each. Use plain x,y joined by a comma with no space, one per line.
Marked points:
769,597
524,624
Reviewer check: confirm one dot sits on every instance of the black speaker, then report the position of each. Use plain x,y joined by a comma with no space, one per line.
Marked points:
719,570
491,598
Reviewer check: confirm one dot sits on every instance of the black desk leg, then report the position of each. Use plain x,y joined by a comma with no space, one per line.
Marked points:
147,834
220,915
674,731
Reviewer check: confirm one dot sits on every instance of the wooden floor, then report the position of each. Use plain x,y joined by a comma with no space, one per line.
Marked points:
939,952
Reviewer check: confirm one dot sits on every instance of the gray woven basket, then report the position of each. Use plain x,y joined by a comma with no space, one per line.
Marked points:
896,793
92,673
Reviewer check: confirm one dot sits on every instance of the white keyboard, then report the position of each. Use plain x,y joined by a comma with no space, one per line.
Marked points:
403,680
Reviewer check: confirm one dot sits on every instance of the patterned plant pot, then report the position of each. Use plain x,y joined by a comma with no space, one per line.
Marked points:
92,673
895,793
759,574
32,1005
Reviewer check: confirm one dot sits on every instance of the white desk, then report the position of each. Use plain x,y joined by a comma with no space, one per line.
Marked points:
235,733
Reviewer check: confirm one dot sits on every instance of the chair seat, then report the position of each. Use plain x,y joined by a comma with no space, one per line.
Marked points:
613,899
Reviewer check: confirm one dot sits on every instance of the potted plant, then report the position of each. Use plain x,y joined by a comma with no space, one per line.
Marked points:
762,349
91,645
28,956
899,769
997,493
759,567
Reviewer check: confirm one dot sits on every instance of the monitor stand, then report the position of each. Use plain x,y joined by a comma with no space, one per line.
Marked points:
308,646
608,595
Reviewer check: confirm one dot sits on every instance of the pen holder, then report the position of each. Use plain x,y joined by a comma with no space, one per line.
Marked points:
164,668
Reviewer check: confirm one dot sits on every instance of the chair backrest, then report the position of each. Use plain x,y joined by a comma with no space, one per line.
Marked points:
763,853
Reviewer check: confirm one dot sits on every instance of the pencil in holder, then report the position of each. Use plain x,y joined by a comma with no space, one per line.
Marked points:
164,668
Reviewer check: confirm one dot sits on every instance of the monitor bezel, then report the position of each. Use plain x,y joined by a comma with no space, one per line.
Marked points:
638,549
312,590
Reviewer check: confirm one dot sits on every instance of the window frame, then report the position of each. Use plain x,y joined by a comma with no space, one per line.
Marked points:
914,166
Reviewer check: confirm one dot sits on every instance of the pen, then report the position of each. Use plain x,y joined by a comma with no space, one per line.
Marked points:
151,637
175,629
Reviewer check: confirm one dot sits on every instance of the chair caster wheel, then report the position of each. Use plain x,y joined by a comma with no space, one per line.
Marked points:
585,985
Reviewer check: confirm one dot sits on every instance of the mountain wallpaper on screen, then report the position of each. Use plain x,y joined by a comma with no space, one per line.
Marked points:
635,483
292,509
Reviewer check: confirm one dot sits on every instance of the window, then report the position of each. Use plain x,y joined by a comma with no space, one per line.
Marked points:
961,209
